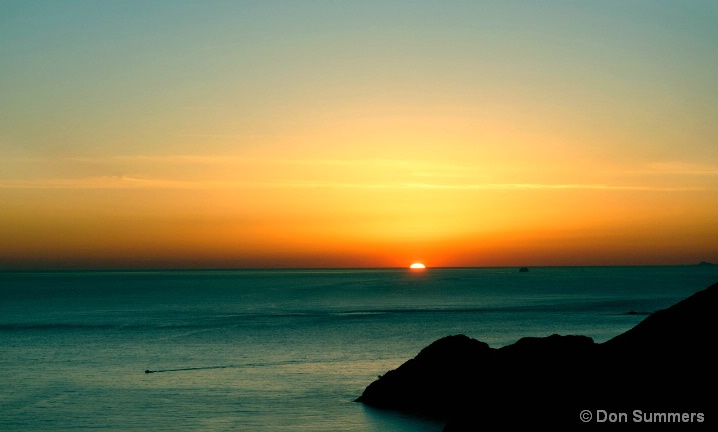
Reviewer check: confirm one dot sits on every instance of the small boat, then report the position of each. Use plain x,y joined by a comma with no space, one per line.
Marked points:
524,269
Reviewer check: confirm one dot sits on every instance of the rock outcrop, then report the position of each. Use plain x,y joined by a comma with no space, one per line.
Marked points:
667,364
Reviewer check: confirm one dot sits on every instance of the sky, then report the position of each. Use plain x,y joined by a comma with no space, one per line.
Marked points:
252,134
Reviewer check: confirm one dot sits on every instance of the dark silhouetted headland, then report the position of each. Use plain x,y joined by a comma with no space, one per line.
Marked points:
665,369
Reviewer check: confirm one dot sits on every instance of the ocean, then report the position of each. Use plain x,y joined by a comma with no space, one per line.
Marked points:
279,350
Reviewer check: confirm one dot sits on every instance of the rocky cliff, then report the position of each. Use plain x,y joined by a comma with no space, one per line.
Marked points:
667,364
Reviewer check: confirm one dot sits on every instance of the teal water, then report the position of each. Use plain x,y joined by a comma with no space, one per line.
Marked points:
278,350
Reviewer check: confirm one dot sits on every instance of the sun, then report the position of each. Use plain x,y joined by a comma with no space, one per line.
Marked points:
417,266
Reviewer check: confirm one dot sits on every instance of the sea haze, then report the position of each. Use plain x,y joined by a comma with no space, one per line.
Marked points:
279,350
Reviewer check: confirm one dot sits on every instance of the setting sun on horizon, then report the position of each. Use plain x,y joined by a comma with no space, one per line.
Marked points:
304,135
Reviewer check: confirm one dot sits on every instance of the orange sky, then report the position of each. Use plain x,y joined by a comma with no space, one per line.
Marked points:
274,135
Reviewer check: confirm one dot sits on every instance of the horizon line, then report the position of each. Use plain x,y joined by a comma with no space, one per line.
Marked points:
218,269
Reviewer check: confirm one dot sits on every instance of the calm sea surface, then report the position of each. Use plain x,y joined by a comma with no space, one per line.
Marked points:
278,350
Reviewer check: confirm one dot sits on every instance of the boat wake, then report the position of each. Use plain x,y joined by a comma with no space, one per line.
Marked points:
148,371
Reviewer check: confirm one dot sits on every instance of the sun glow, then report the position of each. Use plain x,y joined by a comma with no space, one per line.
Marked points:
350,161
